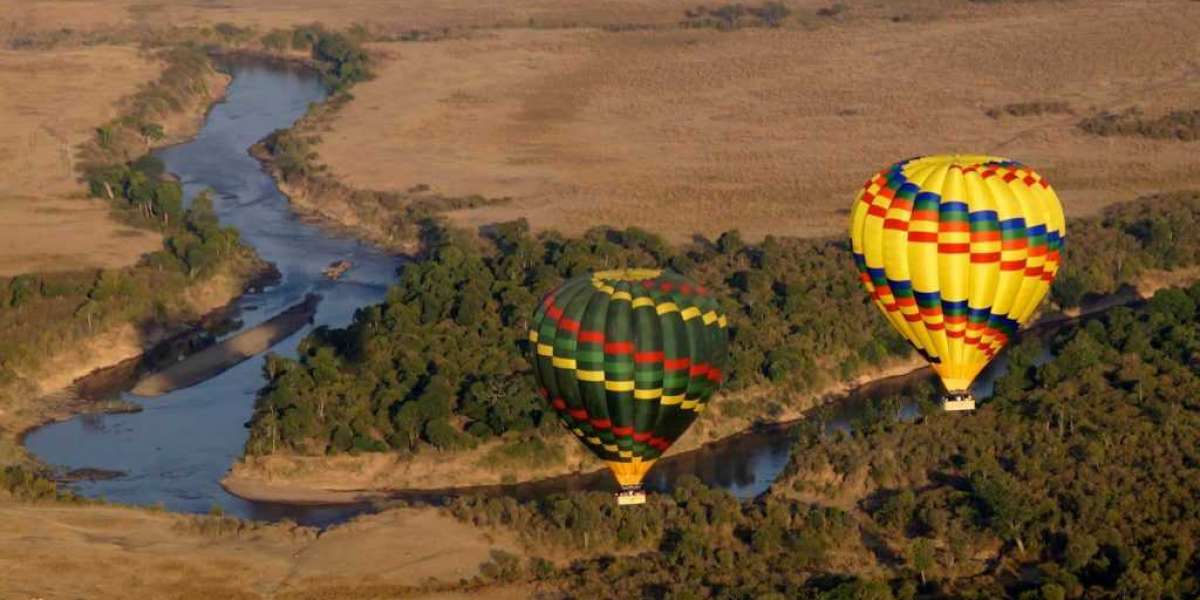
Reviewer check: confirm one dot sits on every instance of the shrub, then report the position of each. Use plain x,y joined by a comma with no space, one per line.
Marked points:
1182,125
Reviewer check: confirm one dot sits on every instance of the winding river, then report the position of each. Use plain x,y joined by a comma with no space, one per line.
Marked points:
177,449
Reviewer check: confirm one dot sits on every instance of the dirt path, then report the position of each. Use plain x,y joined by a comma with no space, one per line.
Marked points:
218,358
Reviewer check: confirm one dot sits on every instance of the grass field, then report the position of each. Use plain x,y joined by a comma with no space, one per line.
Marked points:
769,131
52,101
21,17
110,552
688,131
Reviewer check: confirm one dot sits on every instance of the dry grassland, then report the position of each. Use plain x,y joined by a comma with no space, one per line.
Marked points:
52,101
768,131
20,17
54,551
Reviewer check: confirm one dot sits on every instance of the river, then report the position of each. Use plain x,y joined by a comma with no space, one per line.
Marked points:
175,451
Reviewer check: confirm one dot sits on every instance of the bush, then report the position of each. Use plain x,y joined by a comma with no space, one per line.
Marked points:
729,17
1182,125
1035,108
26,484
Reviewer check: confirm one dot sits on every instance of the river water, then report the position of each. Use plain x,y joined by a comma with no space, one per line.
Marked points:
177,449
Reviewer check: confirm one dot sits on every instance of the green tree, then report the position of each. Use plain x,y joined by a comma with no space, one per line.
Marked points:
920,557
151,132
276,40
168,202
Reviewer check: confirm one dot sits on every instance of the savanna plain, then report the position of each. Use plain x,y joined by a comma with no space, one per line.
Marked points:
500,147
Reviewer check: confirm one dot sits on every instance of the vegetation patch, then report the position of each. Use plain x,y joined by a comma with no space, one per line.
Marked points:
340,57
1052,479
42,313
26,484
1182,125
837,10
1034,108
734,16
1126,240
184,84
442,362
694,543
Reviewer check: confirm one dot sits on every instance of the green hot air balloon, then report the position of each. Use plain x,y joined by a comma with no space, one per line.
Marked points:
628,359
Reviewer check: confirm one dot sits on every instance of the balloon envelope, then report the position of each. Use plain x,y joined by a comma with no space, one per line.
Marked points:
957,251
628,359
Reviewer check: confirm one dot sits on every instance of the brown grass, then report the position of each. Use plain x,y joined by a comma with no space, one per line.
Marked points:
55,551
769,131
18,18
53,100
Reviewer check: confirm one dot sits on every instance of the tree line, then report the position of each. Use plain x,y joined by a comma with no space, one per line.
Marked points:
1126,240
441,363
1078,479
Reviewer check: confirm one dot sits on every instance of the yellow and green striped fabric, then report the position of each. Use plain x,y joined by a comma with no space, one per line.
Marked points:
957,251
627,359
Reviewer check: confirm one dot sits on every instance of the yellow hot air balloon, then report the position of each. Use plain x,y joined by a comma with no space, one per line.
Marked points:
957,251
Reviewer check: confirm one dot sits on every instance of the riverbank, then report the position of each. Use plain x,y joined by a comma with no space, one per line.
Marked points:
42,391
349,478
390,220
52,393
333,206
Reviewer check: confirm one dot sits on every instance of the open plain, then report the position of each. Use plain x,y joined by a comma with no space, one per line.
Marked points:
53,100
769,131
110,552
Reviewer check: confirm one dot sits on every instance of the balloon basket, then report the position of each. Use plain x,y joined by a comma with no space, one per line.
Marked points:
630,495
958,401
